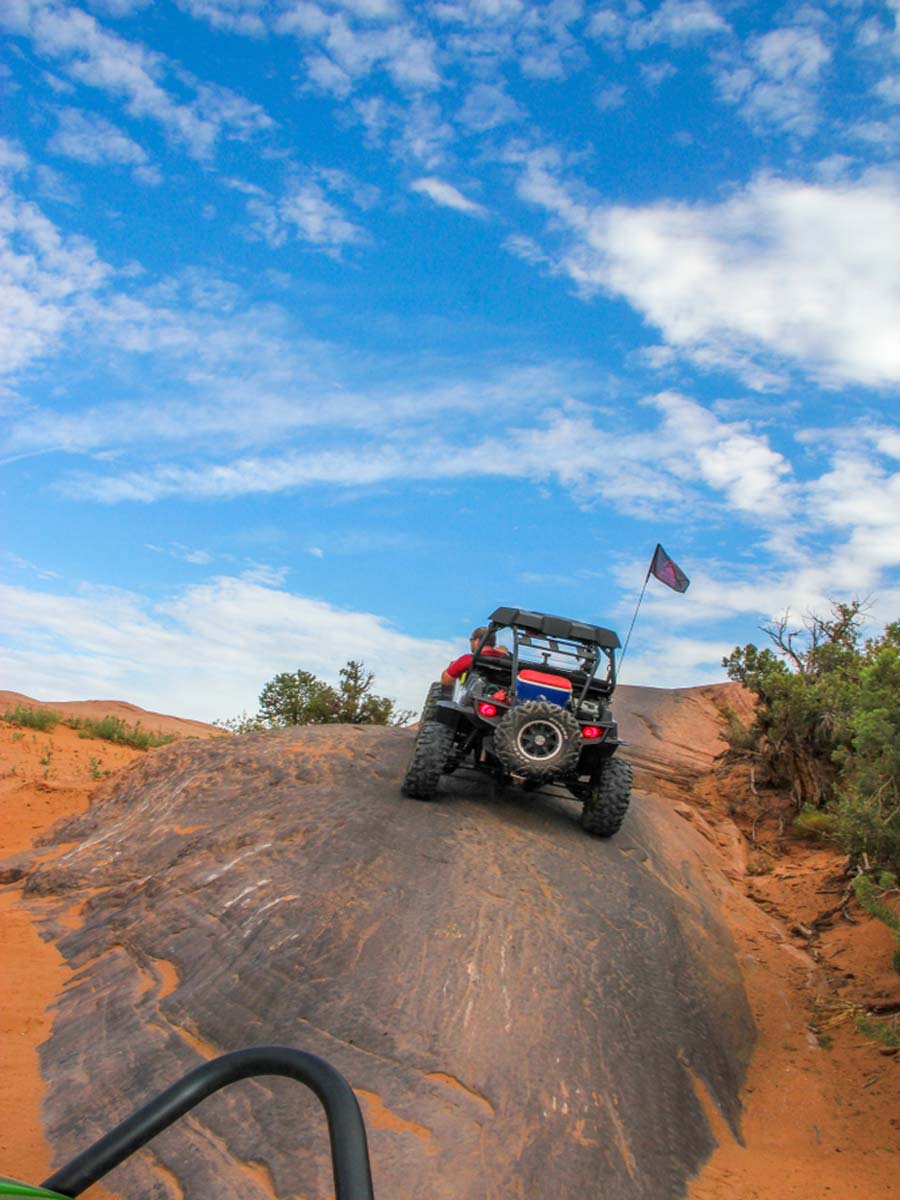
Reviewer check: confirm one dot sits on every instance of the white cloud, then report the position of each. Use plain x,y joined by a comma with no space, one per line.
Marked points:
751,277
12,157
777,82
655,74
182,553
727,456
610,97
446,195
236,16
205,653
53,185
101,59
306,213
43,276
674,23
90,138
858,500
488,106
706,459
424,135
889,89
344,53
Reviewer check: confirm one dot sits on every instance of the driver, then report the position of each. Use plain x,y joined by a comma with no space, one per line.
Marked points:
459,666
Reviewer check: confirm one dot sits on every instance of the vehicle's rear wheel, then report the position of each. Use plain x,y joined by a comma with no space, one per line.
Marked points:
538,739
607,803
433,744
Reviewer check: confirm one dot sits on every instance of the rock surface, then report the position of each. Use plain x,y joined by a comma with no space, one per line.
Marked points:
522,1009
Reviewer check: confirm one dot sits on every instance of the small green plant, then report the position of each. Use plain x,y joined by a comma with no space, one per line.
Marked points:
884,1030
871,895
96,766
18,735
114,729
43,719
46,756
814,823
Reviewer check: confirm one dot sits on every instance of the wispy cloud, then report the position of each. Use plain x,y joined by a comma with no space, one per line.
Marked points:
306,213
446,195
98,58
44,275
90,138
706,455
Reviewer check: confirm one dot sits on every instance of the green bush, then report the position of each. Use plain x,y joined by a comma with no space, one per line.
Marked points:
827,728
814,823
871,895
301,698
114,729
109,729
43,719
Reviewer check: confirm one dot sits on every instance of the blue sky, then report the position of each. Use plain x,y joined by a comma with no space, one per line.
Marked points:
325,327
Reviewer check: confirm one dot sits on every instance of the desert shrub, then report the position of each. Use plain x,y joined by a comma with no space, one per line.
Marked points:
114,729
804,700
42,719
868,828
827,727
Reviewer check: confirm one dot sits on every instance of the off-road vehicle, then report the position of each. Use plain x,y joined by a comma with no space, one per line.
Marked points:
537,714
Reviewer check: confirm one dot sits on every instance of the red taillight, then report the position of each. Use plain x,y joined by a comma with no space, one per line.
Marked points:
487,710
592,732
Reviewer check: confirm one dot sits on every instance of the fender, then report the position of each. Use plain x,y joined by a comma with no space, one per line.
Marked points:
448,714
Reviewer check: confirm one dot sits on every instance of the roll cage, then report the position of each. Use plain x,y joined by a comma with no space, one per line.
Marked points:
573,649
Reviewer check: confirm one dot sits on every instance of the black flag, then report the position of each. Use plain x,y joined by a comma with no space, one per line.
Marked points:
668,572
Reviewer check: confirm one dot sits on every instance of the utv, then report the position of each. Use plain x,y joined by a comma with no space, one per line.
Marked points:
537,714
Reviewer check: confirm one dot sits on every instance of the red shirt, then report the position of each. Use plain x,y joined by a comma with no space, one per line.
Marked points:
460,665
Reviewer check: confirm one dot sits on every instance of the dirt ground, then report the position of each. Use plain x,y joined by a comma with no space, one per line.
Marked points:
822,1102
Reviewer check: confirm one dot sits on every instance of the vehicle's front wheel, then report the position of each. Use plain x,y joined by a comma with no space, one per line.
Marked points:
430,753
607,803
538,739
436,692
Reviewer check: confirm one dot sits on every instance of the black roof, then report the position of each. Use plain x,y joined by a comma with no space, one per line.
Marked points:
556,627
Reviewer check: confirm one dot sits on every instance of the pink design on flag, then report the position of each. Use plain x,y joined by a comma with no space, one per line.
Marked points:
667,571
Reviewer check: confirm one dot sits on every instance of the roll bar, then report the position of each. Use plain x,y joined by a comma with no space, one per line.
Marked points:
347,1133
